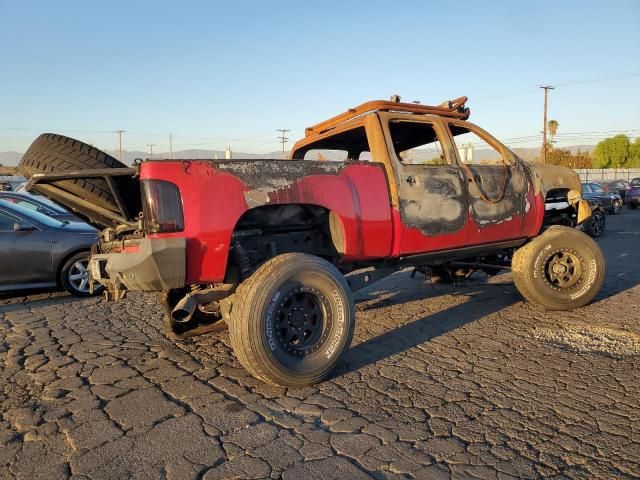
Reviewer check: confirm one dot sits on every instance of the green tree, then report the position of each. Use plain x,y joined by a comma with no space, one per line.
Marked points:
560,156
634,154
612,152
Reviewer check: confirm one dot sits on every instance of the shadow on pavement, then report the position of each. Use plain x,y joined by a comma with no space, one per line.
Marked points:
24,300
486,299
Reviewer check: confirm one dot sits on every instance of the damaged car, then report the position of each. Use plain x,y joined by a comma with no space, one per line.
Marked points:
274,249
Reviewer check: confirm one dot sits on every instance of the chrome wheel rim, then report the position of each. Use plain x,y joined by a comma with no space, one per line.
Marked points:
78,276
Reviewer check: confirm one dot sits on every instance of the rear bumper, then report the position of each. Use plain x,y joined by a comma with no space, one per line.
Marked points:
157,264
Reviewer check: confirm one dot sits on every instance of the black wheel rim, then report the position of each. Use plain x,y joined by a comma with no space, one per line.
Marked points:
597,224
563,270
301,321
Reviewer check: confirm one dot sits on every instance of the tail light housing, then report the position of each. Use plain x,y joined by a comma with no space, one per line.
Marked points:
162,207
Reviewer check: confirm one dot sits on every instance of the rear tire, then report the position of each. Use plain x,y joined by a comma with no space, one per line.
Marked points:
632,205
51,153
291,320
562,269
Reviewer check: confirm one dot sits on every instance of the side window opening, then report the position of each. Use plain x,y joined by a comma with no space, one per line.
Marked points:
349,145
473,149
417,143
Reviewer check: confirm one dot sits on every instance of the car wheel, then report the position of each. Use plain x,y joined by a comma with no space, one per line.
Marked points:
632,205
616,207
292,319
561,269
74,276
595,225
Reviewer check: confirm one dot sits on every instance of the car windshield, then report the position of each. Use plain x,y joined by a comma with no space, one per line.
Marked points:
596,188
635,182
27,214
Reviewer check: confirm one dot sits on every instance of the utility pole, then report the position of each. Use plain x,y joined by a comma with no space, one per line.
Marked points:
170,146
282,138
151,145
546,89
120,132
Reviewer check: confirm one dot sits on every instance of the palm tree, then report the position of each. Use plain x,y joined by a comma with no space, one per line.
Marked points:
553,128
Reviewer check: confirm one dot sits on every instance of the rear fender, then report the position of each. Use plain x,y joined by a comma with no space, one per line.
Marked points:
215,195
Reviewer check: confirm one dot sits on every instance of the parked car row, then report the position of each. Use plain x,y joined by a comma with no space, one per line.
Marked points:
629,192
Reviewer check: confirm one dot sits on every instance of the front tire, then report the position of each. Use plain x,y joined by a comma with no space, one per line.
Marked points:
291,320
616,207
562,269
596,224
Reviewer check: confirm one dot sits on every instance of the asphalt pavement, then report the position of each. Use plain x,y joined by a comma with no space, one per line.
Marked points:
441,381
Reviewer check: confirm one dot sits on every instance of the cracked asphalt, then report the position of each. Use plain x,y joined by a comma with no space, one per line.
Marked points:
463,381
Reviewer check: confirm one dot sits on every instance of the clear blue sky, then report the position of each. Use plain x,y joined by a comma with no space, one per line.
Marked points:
215,73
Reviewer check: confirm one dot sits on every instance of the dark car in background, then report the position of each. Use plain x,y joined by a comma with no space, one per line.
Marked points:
617,186
38,251
633,194
611,202
39,204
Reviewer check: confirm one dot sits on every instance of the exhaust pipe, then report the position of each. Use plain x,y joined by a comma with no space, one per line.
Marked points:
186,307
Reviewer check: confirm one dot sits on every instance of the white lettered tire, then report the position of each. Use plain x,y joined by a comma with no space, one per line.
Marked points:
561,269
292,319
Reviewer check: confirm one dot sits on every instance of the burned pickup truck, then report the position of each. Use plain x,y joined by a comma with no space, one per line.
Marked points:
275,248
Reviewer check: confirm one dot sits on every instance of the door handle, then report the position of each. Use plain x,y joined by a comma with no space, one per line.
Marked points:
411,180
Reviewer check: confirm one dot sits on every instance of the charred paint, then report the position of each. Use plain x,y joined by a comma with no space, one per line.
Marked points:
500,195
432,199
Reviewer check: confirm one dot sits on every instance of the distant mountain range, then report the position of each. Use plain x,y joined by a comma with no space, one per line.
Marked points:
13,158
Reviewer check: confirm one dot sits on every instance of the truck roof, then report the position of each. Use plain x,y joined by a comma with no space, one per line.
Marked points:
451,108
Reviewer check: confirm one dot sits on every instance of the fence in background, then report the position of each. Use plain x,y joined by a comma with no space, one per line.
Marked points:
606,174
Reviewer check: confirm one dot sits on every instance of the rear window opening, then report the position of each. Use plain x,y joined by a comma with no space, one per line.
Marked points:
345,146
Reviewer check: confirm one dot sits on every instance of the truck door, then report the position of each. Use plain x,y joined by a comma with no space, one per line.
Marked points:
497,185
431,192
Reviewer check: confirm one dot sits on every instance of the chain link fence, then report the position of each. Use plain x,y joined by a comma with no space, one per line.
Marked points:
607,174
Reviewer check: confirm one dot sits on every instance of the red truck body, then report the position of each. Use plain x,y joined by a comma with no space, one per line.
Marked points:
357,193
